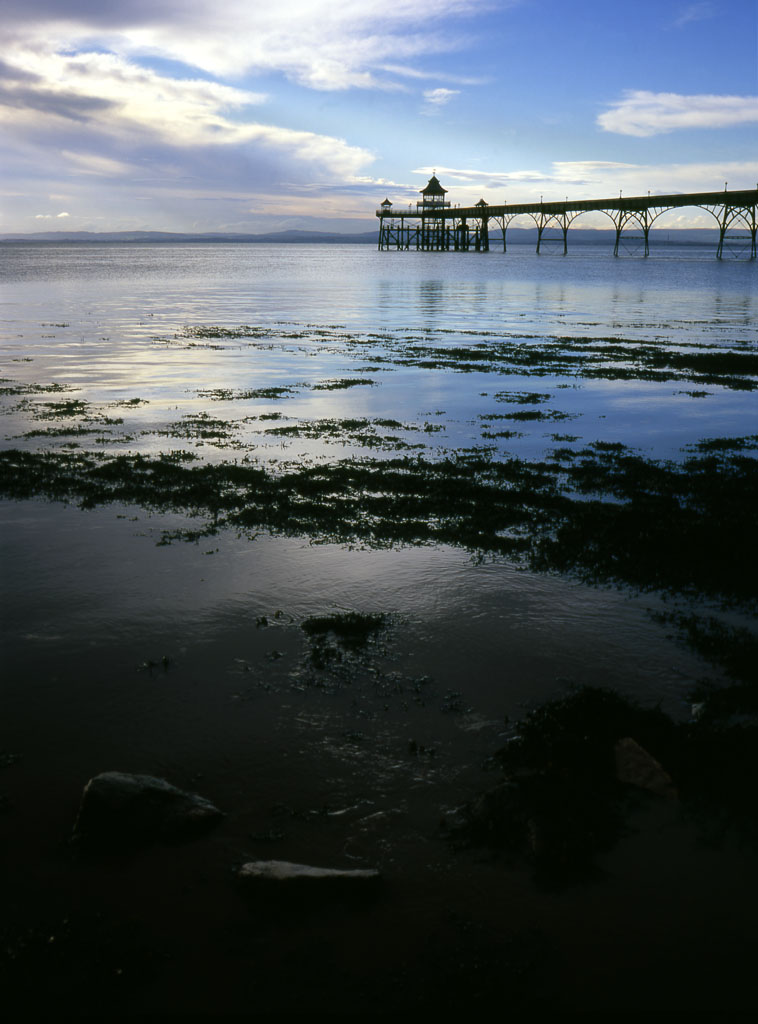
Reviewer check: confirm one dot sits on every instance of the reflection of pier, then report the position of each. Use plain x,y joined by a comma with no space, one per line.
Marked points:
433,224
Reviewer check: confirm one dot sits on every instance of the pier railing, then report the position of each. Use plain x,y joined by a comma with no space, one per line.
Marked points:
413,210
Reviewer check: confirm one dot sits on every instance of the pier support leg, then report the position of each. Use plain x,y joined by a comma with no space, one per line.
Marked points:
625,219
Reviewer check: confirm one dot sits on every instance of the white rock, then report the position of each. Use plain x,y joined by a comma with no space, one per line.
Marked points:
284,871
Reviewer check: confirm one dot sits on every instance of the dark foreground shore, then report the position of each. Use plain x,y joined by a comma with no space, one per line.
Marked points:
563,883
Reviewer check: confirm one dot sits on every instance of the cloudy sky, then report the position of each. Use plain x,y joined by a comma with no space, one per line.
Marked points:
257,115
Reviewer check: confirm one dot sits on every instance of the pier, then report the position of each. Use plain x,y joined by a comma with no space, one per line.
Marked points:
433,224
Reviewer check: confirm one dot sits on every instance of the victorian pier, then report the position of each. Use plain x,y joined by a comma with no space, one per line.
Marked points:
434,224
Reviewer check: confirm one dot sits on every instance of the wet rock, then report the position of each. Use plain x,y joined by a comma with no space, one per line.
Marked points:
495,817
635,767
123,809
285,874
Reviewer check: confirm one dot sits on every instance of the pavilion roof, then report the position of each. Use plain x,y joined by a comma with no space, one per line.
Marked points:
433,188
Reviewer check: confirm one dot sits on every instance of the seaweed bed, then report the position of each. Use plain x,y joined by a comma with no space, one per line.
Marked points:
604,513
596,357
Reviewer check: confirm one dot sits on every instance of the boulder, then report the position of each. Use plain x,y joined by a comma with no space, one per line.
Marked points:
635,767
123,809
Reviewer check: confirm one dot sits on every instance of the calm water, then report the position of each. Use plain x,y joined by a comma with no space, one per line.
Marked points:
169,348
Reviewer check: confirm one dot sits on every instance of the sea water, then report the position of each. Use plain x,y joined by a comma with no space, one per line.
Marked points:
124,651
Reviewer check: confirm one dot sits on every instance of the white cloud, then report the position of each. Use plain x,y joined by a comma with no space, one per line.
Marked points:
435,99
51,216
694,12
319,43
112,102
104,88
644,114
442,76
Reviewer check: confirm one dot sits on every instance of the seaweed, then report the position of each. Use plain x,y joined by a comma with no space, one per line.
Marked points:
340,634
245,394
358,431
529,414
342,384
351,629
522,397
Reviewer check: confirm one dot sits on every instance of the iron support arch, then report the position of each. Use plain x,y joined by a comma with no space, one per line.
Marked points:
644,218
561,221
730,216
503,223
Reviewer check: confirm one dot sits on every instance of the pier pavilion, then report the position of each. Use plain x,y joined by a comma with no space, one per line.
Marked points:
434,224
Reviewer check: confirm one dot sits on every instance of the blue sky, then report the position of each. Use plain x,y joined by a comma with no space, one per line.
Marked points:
183,115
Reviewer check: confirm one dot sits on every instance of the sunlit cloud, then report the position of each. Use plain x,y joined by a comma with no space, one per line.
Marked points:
104,88
318,43
111,100
644,114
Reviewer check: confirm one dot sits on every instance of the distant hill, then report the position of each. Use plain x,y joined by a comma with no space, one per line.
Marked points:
682,236
174,236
